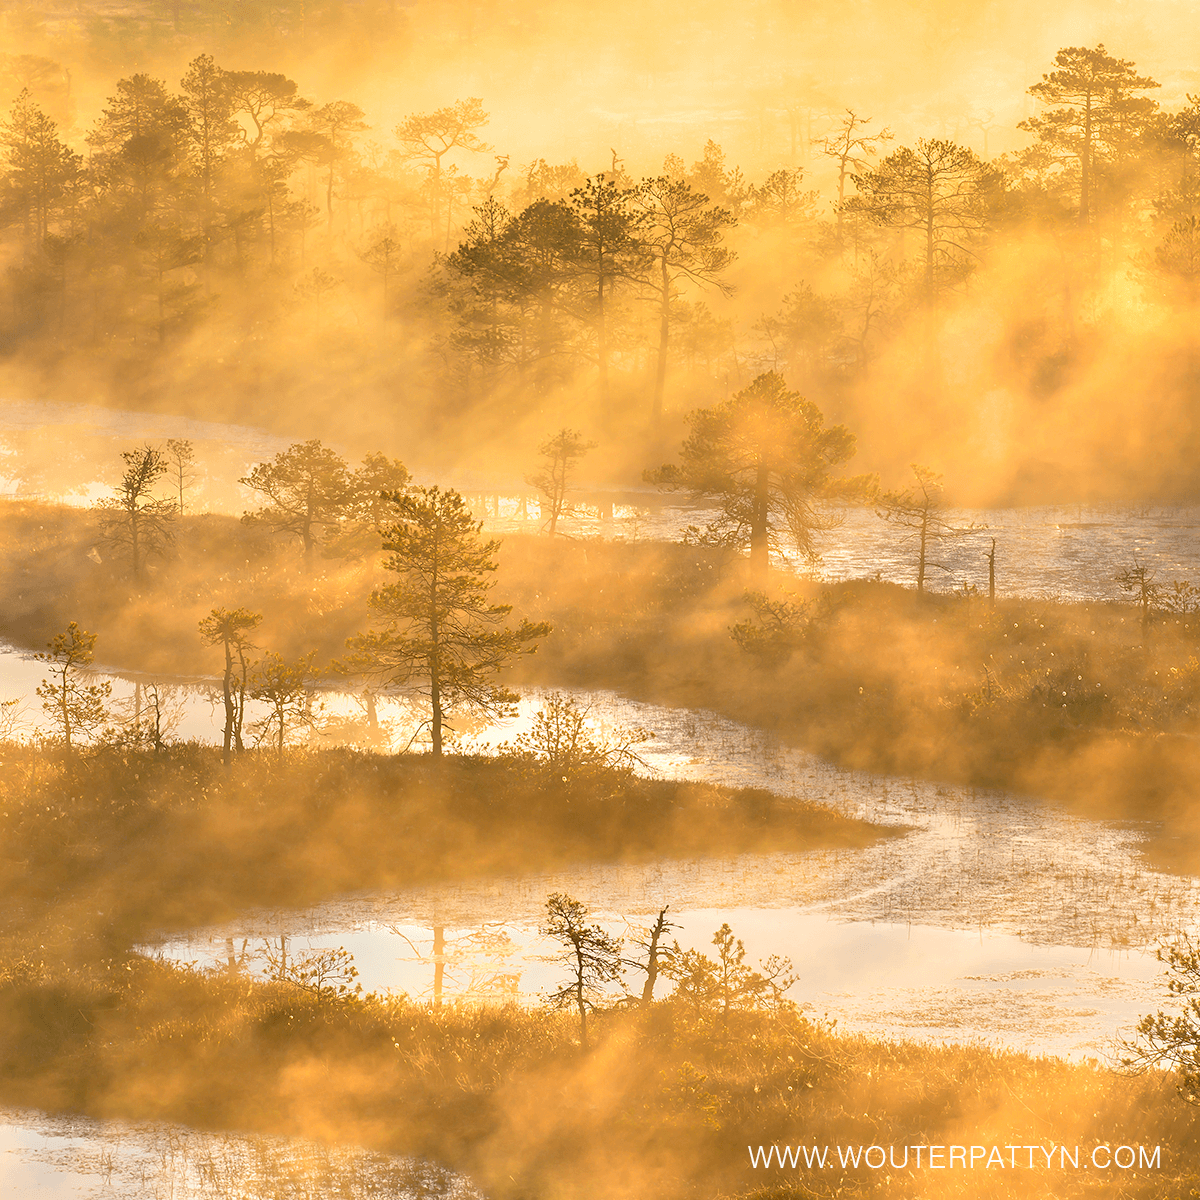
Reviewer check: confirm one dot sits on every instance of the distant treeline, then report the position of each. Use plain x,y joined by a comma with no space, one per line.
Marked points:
232,214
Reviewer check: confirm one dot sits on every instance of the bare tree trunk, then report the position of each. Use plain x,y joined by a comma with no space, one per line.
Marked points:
664,334
439,962
759,541
652,959
580,1001
240,700
65,709
601,335
921,555
1085,167
435,701
227,746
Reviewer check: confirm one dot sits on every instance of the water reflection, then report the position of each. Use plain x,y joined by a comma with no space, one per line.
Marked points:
1057,552
884,979
997,865
975,858
59,1157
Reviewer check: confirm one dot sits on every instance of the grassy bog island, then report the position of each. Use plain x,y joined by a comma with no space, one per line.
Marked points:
1091,703
134,834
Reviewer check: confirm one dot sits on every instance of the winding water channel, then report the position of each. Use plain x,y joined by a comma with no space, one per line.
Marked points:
993,918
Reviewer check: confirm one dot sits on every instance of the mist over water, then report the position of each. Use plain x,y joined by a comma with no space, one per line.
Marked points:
1065,552
997,919
52,1158
766,340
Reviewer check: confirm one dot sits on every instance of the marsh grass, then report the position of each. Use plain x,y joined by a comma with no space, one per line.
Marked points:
101,848
665,1104
118,843
1072,702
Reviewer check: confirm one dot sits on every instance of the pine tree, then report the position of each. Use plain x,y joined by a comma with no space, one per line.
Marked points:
683,235
921,509
76,707
562,452
133,518
610,250
41,169
441,638
284,687
766,458
308,490
230,629
1097,115
592,956
944,193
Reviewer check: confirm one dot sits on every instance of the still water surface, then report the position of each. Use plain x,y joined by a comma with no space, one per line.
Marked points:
71,453
994,918
56,1158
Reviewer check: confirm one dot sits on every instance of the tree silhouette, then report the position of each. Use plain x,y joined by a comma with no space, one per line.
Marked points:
520,284
284,687
133,519
592,956
336,122
850,146
921,509
212,130
943,192
165,250
315,286
308,492
140,144
230,629
385,256
378,478
268,100
181,463
780,200
429,137
41,169
610,249
1171,1039
76,707
441,638
683,233
562,452
802,333
726,984
1097,115
1140,582
657,955
766,458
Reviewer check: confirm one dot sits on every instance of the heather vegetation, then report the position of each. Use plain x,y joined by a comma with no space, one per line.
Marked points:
122,842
